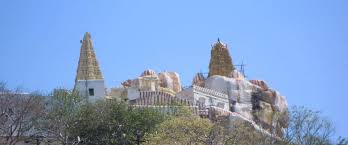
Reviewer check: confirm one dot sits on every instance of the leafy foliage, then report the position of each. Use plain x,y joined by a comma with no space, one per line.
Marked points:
241,133
112,122
69,119
183,128
62,107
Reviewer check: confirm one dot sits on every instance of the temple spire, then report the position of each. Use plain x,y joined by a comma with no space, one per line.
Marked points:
88,68
220,61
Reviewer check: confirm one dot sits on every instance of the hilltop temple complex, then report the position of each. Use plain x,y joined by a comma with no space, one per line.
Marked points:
224,92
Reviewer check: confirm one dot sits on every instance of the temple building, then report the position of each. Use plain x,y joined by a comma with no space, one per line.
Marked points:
220,61
150,84
205,98
89,80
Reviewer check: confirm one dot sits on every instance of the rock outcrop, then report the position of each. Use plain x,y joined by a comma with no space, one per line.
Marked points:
253,100
127,83
170,80
236,75
260,83
150,81
147,81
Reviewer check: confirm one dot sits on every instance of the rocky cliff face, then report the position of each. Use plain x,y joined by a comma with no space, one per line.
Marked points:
253,100
236,75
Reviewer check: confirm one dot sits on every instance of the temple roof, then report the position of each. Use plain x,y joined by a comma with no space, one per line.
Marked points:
219,44
220,60
149,72
88,68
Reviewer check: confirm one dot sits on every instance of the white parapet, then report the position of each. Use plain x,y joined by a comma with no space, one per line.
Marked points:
206,97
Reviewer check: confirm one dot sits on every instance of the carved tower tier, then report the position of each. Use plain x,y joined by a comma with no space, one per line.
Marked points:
220,61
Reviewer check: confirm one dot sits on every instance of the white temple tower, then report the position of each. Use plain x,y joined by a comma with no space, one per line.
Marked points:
89,80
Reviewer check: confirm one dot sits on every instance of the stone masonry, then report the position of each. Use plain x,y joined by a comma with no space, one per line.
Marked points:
88,67
220,61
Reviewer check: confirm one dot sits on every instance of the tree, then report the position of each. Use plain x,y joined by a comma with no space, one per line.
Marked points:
61,117
342,141
307,127
19,114
182,128
240,132
112,122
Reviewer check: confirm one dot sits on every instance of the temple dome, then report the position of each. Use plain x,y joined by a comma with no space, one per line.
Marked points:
149,72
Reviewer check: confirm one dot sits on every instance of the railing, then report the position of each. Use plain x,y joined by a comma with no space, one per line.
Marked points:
170,109
210,92
160,98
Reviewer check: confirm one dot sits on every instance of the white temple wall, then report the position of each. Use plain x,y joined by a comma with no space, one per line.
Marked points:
210,100
98,86
133,93
208,97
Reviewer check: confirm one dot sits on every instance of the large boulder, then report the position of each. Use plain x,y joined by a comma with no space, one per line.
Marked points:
127,83
170,80
239,91
253,99
236,75
280,103
263,114
268,96
225,84
260,83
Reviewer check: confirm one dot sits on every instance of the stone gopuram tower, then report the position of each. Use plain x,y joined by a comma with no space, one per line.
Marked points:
220,61
89,81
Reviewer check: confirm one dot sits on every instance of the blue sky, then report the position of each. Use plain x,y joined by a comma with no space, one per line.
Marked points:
298,46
